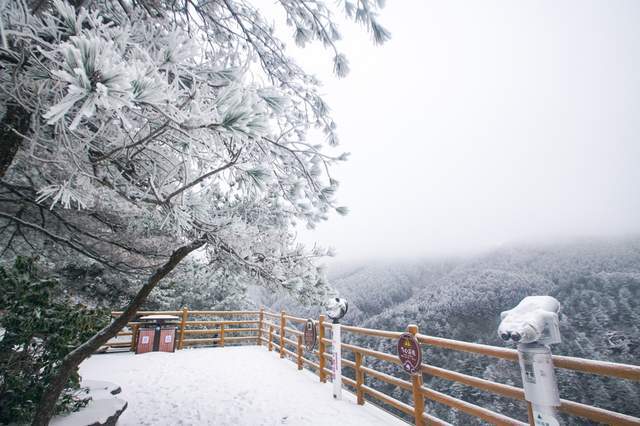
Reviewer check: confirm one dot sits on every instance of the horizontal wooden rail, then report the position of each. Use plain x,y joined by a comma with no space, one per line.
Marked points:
603,368
289,341
294,331
392,380
383,397
348,363
311,363
218,330
371,332
212,322
431,420
598,414
117,344
216,339
224,313
295,319
345,380
467,407
487,385
176,313
291,353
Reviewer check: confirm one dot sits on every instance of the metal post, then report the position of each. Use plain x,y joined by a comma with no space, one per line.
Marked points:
336,364
539,381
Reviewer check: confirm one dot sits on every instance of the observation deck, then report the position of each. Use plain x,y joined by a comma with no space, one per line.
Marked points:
253,384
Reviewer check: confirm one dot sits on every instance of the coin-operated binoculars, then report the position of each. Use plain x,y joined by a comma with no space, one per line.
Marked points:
336,309
533,325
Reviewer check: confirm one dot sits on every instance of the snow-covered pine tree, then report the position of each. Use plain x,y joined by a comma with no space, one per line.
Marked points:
138,131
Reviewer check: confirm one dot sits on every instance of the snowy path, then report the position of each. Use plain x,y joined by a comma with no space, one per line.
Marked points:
225,386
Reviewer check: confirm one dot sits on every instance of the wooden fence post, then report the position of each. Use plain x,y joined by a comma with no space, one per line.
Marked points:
299,352
321,349
221,334
359,379
416,382
185,315
260,325
532,419
134,334
270,338
282,322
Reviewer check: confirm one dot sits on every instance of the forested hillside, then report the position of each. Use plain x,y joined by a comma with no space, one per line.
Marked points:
597,283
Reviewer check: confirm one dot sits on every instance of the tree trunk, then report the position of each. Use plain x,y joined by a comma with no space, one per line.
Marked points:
15,119
70,362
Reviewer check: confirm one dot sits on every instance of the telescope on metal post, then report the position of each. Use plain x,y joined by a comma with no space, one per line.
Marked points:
534,325
336,309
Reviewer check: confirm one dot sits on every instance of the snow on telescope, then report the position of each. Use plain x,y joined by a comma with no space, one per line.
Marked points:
534,319
336,308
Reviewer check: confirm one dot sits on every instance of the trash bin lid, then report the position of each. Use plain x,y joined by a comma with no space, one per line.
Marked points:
159,318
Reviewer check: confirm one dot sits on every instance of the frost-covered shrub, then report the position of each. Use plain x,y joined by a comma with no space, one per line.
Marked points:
38,330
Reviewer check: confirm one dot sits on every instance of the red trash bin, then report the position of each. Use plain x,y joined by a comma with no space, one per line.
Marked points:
158,335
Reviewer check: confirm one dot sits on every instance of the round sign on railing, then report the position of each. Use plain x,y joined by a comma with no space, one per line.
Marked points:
310,335
409,353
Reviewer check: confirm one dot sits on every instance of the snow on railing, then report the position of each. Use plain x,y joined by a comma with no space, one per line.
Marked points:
272,329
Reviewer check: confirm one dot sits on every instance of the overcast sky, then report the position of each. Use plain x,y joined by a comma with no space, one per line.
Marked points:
483,123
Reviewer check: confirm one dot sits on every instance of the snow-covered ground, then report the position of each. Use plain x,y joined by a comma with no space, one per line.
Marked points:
243,385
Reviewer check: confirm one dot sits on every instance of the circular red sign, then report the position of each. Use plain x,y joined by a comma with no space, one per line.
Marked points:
310,335
409,353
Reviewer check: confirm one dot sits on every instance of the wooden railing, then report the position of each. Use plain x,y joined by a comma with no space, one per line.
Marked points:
283,333
242,327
